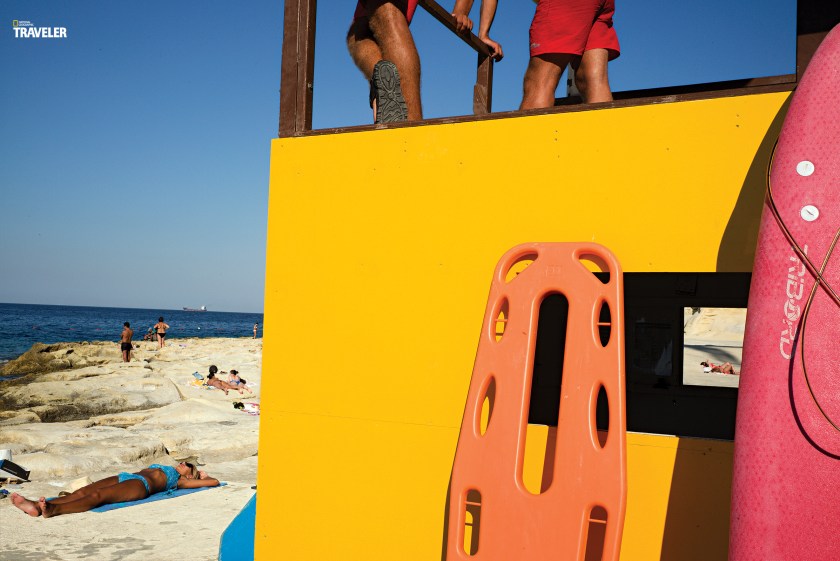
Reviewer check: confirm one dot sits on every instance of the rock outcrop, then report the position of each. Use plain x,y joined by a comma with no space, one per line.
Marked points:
85,393
43,358
106,416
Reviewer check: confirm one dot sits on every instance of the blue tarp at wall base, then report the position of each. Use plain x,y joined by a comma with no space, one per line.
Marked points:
238,539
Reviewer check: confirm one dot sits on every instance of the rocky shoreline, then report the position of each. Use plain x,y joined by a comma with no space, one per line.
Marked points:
76,411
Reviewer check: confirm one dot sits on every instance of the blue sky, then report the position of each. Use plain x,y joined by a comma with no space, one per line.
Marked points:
134,154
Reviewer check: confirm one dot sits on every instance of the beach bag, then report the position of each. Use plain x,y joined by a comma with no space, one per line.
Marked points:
10,470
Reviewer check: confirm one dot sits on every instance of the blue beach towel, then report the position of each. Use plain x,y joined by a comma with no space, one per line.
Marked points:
153,498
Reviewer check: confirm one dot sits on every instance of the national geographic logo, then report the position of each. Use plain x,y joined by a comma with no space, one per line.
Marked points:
25,29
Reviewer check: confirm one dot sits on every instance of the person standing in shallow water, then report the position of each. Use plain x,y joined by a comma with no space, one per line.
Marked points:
125,342
160,329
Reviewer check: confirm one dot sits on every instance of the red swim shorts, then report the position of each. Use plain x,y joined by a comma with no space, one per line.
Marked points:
574,26
405,7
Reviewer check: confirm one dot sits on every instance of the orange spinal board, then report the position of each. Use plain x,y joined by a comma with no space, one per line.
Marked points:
579,512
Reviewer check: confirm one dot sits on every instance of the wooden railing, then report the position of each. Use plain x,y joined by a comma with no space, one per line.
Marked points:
815,18
483,89
298,66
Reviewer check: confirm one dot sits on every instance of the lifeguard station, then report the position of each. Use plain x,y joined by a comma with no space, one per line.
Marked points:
375,298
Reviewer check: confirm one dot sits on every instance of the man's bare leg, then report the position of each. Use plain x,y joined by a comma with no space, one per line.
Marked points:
591,76
390,30
385,35
541,79
364,51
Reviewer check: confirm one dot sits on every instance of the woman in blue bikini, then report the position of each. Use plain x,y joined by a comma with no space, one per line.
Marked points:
120,488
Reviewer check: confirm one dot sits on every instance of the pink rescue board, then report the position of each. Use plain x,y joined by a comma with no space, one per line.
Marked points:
786,481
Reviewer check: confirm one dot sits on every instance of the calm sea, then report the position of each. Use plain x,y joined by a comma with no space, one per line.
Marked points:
23,325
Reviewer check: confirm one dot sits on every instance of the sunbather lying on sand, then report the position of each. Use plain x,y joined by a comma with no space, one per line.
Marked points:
120,488
725,368
235,380
220,384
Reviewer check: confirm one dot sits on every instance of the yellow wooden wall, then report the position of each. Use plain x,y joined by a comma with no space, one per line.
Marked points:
381,247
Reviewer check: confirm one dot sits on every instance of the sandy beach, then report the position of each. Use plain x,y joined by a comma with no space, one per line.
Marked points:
81,412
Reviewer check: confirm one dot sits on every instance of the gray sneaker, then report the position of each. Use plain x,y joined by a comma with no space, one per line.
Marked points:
385,89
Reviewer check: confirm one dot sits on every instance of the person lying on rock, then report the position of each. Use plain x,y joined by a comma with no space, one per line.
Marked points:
120,488
220,384
725,368
235,380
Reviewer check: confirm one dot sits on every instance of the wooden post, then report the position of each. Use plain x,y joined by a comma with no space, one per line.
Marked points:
298,67
483,90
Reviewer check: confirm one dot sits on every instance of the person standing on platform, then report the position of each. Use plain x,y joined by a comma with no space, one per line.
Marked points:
125,342
160,329
383,48
579,33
